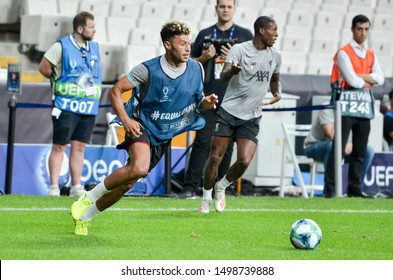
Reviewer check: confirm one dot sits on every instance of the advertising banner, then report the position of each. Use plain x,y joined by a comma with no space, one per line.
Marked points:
31,171
379,179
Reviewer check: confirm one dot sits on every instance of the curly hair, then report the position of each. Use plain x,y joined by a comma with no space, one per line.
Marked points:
173,28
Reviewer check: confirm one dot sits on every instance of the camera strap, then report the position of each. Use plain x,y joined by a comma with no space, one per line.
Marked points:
219,61
230,34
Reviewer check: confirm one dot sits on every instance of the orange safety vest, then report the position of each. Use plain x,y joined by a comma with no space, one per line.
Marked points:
360,65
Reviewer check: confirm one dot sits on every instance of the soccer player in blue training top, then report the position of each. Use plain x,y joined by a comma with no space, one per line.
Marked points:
166,101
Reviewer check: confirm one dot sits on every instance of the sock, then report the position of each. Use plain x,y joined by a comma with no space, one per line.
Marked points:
97,192
78,186
223,184
207,194
54,186
90,213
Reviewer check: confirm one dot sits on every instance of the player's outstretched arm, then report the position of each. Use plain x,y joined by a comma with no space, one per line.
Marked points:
275,87
209,102
131,127
229,70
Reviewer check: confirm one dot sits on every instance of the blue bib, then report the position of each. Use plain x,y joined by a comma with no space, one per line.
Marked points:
170,106
68,95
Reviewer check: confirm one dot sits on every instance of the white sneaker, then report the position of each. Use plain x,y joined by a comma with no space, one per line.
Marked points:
219,199
205,206
77,190
54,191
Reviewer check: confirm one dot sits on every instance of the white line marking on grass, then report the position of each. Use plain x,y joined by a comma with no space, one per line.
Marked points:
227,210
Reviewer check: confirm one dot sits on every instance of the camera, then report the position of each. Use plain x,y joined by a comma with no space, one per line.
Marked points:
218,43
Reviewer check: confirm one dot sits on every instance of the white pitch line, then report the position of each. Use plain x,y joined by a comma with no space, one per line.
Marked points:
227,210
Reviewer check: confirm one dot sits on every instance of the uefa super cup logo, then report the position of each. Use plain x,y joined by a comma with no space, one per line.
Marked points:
165,92
73,66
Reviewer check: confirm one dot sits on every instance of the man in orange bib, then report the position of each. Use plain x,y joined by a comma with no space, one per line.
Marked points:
356,69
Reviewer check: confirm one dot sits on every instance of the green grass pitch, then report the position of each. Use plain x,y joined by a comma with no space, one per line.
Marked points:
157,228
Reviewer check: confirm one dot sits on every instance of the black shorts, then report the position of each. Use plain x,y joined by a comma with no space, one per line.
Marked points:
70,126
156,152
229,126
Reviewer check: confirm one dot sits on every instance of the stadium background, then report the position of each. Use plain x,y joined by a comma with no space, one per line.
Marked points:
310,32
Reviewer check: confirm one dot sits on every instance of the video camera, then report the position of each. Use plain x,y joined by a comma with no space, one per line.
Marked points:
218,43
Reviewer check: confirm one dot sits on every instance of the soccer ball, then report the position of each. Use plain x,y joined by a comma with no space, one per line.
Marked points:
305,234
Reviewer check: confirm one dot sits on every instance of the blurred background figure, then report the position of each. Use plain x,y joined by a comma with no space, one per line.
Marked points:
73,66
318,143
356,69
211,47
388,122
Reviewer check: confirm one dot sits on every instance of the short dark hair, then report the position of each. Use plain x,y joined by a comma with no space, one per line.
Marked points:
80,19
264,22
234,2
361,19
173,28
